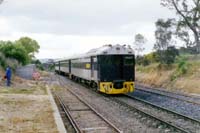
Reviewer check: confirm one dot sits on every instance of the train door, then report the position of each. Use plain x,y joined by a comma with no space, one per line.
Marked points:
69,66
92,67
59,67
121,67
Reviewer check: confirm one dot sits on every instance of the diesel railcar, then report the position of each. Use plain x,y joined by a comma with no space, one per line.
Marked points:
109,69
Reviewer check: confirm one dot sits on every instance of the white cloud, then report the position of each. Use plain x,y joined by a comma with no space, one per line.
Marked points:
72,26
5,28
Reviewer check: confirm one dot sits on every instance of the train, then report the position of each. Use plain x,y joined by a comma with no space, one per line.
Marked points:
109,69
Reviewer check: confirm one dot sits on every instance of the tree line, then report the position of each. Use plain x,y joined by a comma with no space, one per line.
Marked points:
183,29
19,52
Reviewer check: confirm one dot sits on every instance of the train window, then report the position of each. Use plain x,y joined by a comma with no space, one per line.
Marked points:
111,60
64,64
129,60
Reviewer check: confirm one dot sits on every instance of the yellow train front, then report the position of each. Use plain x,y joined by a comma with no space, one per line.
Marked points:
109,69
116,74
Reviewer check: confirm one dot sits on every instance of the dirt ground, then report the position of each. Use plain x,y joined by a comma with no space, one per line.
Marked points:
25,108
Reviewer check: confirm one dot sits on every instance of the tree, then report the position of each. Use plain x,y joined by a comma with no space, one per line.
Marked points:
140,40
170,55
31,46
163,35
185,37
189,13
10,50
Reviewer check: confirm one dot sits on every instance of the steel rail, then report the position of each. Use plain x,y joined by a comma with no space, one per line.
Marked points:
164,109
68,114
150,115
96,112
180,99
155,117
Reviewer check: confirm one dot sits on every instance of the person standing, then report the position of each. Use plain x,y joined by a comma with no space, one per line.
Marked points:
8,76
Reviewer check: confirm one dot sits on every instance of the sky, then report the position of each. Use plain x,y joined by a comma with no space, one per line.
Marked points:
67,27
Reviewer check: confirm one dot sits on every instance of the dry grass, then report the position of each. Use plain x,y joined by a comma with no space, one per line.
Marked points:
26,114
56,87
187,83
44,74
158,79
25,107
25,88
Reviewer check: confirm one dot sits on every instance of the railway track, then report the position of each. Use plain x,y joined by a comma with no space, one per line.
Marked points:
170,120
166,124
158,117
82,116
179,97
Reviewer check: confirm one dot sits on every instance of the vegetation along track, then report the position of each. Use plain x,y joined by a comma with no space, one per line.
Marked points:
169,120
82,116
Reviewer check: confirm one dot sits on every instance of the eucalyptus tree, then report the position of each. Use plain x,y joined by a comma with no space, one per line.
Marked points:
163,34
189,19
164,45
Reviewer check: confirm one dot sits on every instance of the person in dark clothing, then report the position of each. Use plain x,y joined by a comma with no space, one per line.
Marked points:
8,76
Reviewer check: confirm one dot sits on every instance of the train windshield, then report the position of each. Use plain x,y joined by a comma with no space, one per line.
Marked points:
116,67
110,60
128,60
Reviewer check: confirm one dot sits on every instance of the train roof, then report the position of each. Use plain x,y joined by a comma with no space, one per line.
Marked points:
105,50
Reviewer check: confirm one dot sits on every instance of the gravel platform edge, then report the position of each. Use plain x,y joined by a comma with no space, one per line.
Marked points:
57,117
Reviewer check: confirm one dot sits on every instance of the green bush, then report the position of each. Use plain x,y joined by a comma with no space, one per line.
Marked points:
182,68
142,60
38,64
12,63
2,60
168,56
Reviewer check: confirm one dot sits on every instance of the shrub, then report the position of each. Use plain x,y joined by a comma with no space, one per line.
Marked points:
38,64
2,60
168,56
142,60
12,63
182,68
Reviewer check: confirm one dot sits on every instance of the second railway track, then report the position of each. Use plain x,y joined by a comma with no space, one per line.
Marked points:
82,116
167,117
184,98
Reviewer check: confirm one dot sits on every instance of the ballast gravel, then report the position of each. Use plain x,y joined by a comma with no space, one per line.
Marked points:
122,117
183,107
